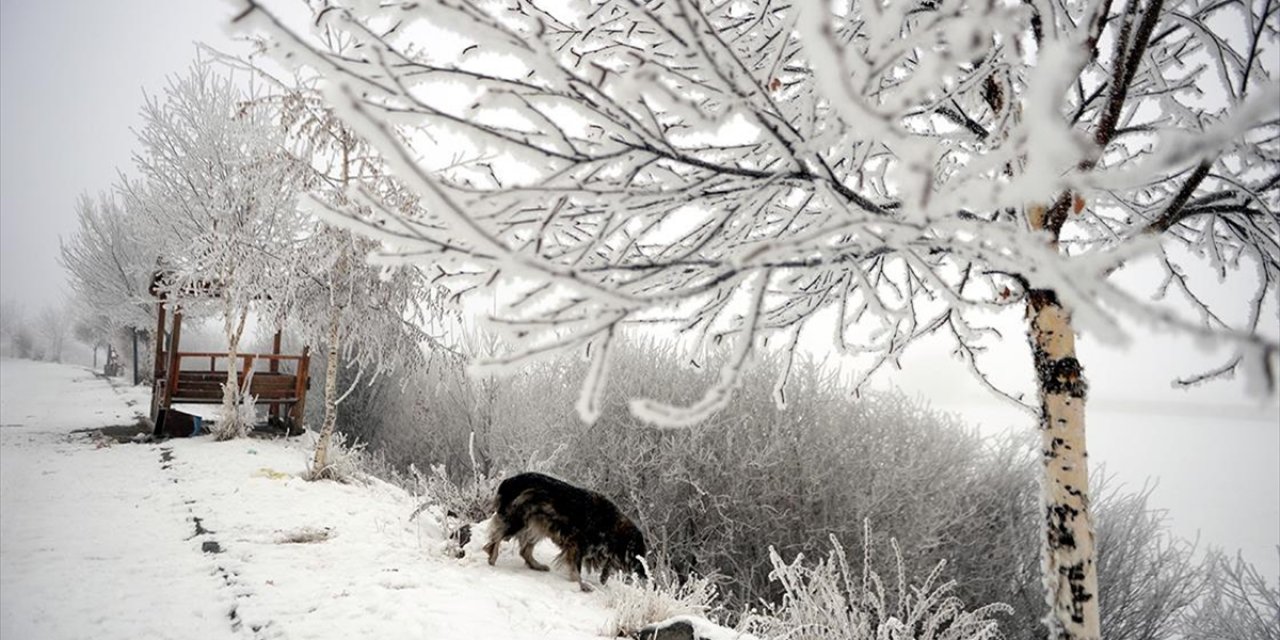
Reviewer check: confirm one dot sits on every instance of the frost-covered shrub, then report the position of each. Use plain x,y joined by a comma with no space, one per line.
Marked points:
467,501
347,461
637,603
236,416
1147,577
457,504
828,600
713,498
423,417
1237,602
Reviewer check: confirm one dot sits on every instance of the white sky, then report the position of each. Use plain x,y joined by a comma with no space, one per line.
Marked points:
71,81
72,75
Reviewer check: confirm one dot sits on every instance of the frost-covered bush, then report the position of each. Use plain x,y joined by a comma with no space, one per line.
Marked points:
712,499
457,504
467,501
236,415
1237,602
828,600
1147,577
347,461
637,603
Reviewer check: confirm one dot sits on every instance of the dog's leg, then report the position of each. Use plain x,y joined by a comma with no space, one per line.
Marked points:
529,537
604,574
526,552
497,531
574,560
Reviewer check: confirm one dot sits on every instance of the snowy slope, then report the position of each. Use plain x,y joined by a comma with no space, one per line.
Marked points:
119,541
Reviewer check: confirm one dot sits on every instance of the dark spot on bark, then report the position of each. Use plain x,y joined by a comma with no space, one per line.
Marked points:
1074,575
1058,518
1041,298
1063,376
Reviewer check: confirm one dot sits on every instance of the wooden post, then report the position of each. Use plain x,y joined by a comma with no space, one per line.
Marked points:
274,410
159,366
175,362
299,408
136,380
275,351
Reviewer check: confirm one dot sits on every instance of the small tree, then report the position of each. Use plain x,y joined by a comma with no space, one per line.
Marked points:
55,327
748,169
92,332
110,261
370,317
10,324
24,344
218,179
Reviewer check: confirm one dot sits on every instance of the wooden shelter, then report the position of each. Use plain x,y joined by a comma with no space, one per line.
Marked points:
277,380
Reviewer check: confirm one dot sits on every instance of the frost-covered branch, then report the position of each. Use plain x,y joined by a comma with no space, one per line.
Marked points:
649,161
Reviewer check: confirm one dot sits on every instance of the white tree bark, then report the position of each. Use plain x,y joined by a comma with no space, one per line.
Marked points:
233,424
330,392
1069,566
338,276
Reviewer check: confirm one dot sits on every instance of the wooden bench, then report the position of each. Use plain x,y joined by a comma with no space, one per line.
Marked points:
281,391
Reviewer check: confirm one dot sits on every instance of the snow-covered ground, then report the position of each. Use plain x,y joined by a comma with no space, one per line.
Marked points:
202,539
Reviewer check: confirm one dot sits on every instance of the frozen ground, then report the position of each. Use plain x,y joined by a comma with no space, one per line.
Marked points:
200,539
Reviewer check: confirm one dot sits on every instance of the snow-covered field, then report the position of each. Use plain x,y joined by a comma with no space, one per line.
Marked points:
201,539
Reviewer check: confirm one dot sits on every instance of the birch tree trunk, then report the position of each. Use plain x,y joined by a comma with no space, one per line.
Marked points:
233,421
1068,557
330,391
335,324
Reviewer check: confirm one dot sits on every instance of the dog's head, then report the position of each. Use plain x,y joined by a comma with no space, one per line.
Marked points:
628,548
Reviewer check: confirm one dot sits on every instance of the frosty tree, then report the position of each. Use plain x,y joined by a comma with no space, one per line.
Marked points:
752,169
218,182
54,326
369,318
110,261
11,325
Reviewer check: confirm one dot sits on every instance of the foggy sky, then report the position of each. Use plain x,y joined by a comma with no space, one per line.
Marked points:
72,75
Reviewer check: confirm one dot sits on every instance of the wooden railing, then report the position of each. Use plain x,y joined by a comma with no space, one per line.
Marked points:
272,386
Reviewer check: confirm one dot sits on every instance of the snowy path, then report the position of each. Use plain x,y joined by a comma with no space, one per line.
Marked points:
92,544
192,538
